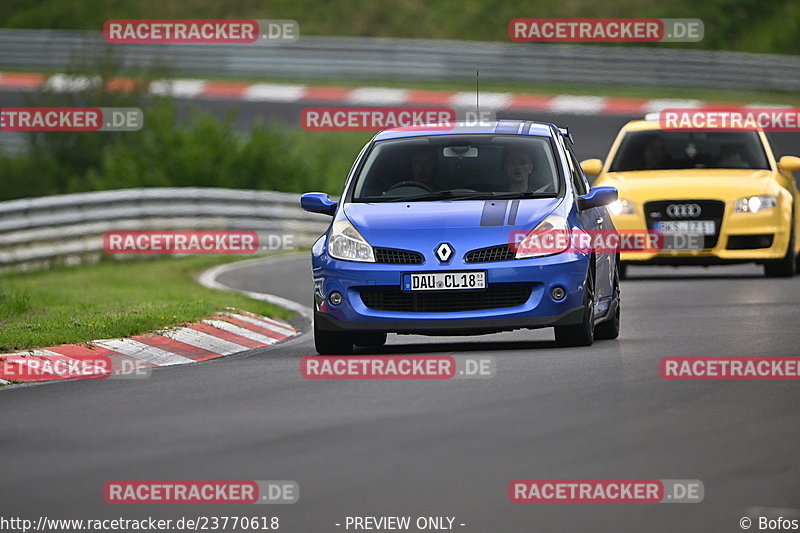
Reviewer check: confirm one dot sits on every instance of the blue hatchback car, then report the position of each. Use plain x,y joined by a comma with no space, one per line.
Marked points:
421,241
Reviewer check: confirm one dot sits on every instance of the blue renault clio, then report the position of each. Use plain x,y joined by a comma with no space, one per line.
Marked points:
424,239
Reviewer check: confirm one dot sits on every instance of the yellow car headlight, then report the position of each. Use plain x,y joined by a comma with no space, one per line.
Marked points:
754,204
621,207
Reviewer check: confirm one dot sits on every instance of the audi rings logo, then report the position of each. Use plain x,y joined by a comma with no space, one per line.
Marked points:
684,210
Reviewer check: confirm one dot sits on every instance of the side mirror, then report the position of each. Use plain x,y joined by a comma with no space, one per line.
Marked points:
597,197
592,167
318,202
789,163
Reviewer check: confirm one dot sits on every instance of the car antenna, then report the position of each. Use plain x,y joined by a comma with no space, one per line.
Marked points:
478,94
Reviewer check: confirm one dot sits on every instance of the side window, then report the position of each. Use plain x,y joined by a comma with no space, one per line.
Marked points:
578,179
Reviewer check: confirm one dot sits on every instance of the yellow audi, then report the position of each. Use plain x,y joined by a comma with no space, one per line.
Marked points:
715,197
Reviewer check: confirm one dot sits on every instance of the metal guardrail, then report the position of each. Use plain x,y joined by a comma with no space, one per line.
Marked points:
415,59
68,229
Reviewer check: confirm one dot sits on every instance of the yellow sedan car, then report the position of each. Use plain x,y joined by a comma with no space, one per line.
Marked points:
716,197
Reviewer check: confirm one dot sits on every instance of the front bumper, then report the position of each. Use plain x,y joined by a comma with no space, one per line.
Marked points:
775,223
539,310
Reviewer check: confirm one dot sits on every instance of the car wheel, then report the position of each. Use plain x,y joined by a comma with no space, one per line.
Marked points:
783,268
370,339
332,342
580,334
609,329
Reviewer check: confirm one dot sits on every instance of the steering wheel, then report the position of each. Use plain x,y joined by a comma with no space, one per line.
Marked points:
410,183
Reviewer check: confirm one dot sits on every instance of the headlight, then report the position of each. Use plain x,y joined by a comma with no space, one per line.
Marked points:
621,207
550,237
347,244
754,204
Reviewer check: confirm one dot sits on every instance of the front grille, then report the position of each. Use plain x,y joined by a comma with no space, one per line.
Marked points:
749,242
393,256
494,297
709,210
493,253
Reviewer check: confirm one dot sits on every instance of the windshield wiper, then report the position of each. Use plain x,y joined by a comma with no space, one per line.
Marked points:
451,195
528,194
438,195
505,195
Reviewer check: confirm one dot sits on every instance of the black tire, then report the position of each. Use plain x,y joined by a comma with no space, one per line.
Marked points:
370,339
785,267
332,342
580,334
609,329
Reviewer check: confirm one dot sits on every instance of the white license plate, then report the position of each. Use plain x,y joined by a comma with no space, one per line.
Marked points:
444,281
686,227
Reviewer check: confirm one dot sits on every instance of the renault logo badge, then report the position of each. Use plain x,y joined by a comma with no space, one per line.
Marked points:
444,252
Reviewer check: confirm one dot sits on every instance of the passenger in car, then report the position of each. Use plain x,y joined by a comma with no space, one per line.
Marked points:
517,166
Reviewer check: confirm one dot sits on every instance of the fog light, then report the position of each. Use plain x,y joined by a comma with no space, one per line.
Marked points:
335,298
558,293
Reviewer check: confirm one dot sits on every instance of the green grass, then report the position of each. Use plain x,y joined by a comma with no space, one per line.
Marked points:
111,299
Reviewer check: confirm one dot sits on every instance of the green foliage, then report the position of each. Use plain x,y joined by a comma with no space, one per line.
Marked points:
747,25
169,151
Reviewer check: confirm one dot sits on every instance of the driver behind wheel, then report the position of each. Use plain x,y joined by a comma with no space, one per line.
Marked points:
423,167
422,171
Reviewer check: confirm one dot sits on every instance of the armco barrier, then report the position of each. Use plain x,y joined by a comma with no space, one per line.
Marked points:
414,59
68,229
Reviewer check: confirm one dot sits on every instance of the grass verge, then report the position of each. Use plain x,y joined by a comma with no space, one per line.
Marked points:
111,299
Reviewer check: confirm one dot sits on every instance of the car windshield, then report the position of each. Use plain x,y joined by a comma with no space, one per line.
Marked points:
660,150
458,167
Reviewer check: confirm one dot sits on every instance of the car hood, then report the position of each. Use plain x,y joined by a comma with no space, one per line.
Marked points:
701,183
479,222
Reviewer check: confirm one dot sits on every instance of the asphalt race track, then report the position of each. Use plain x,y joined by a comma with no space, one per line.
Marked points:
443,448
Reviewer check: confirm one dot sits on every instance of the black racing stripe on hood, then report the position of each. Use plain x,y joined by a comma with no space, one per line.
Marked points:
512,213
494,212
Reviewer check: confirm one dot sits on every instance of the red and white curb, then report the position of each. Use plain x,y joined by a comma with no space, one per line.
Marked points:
363,96
226,333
